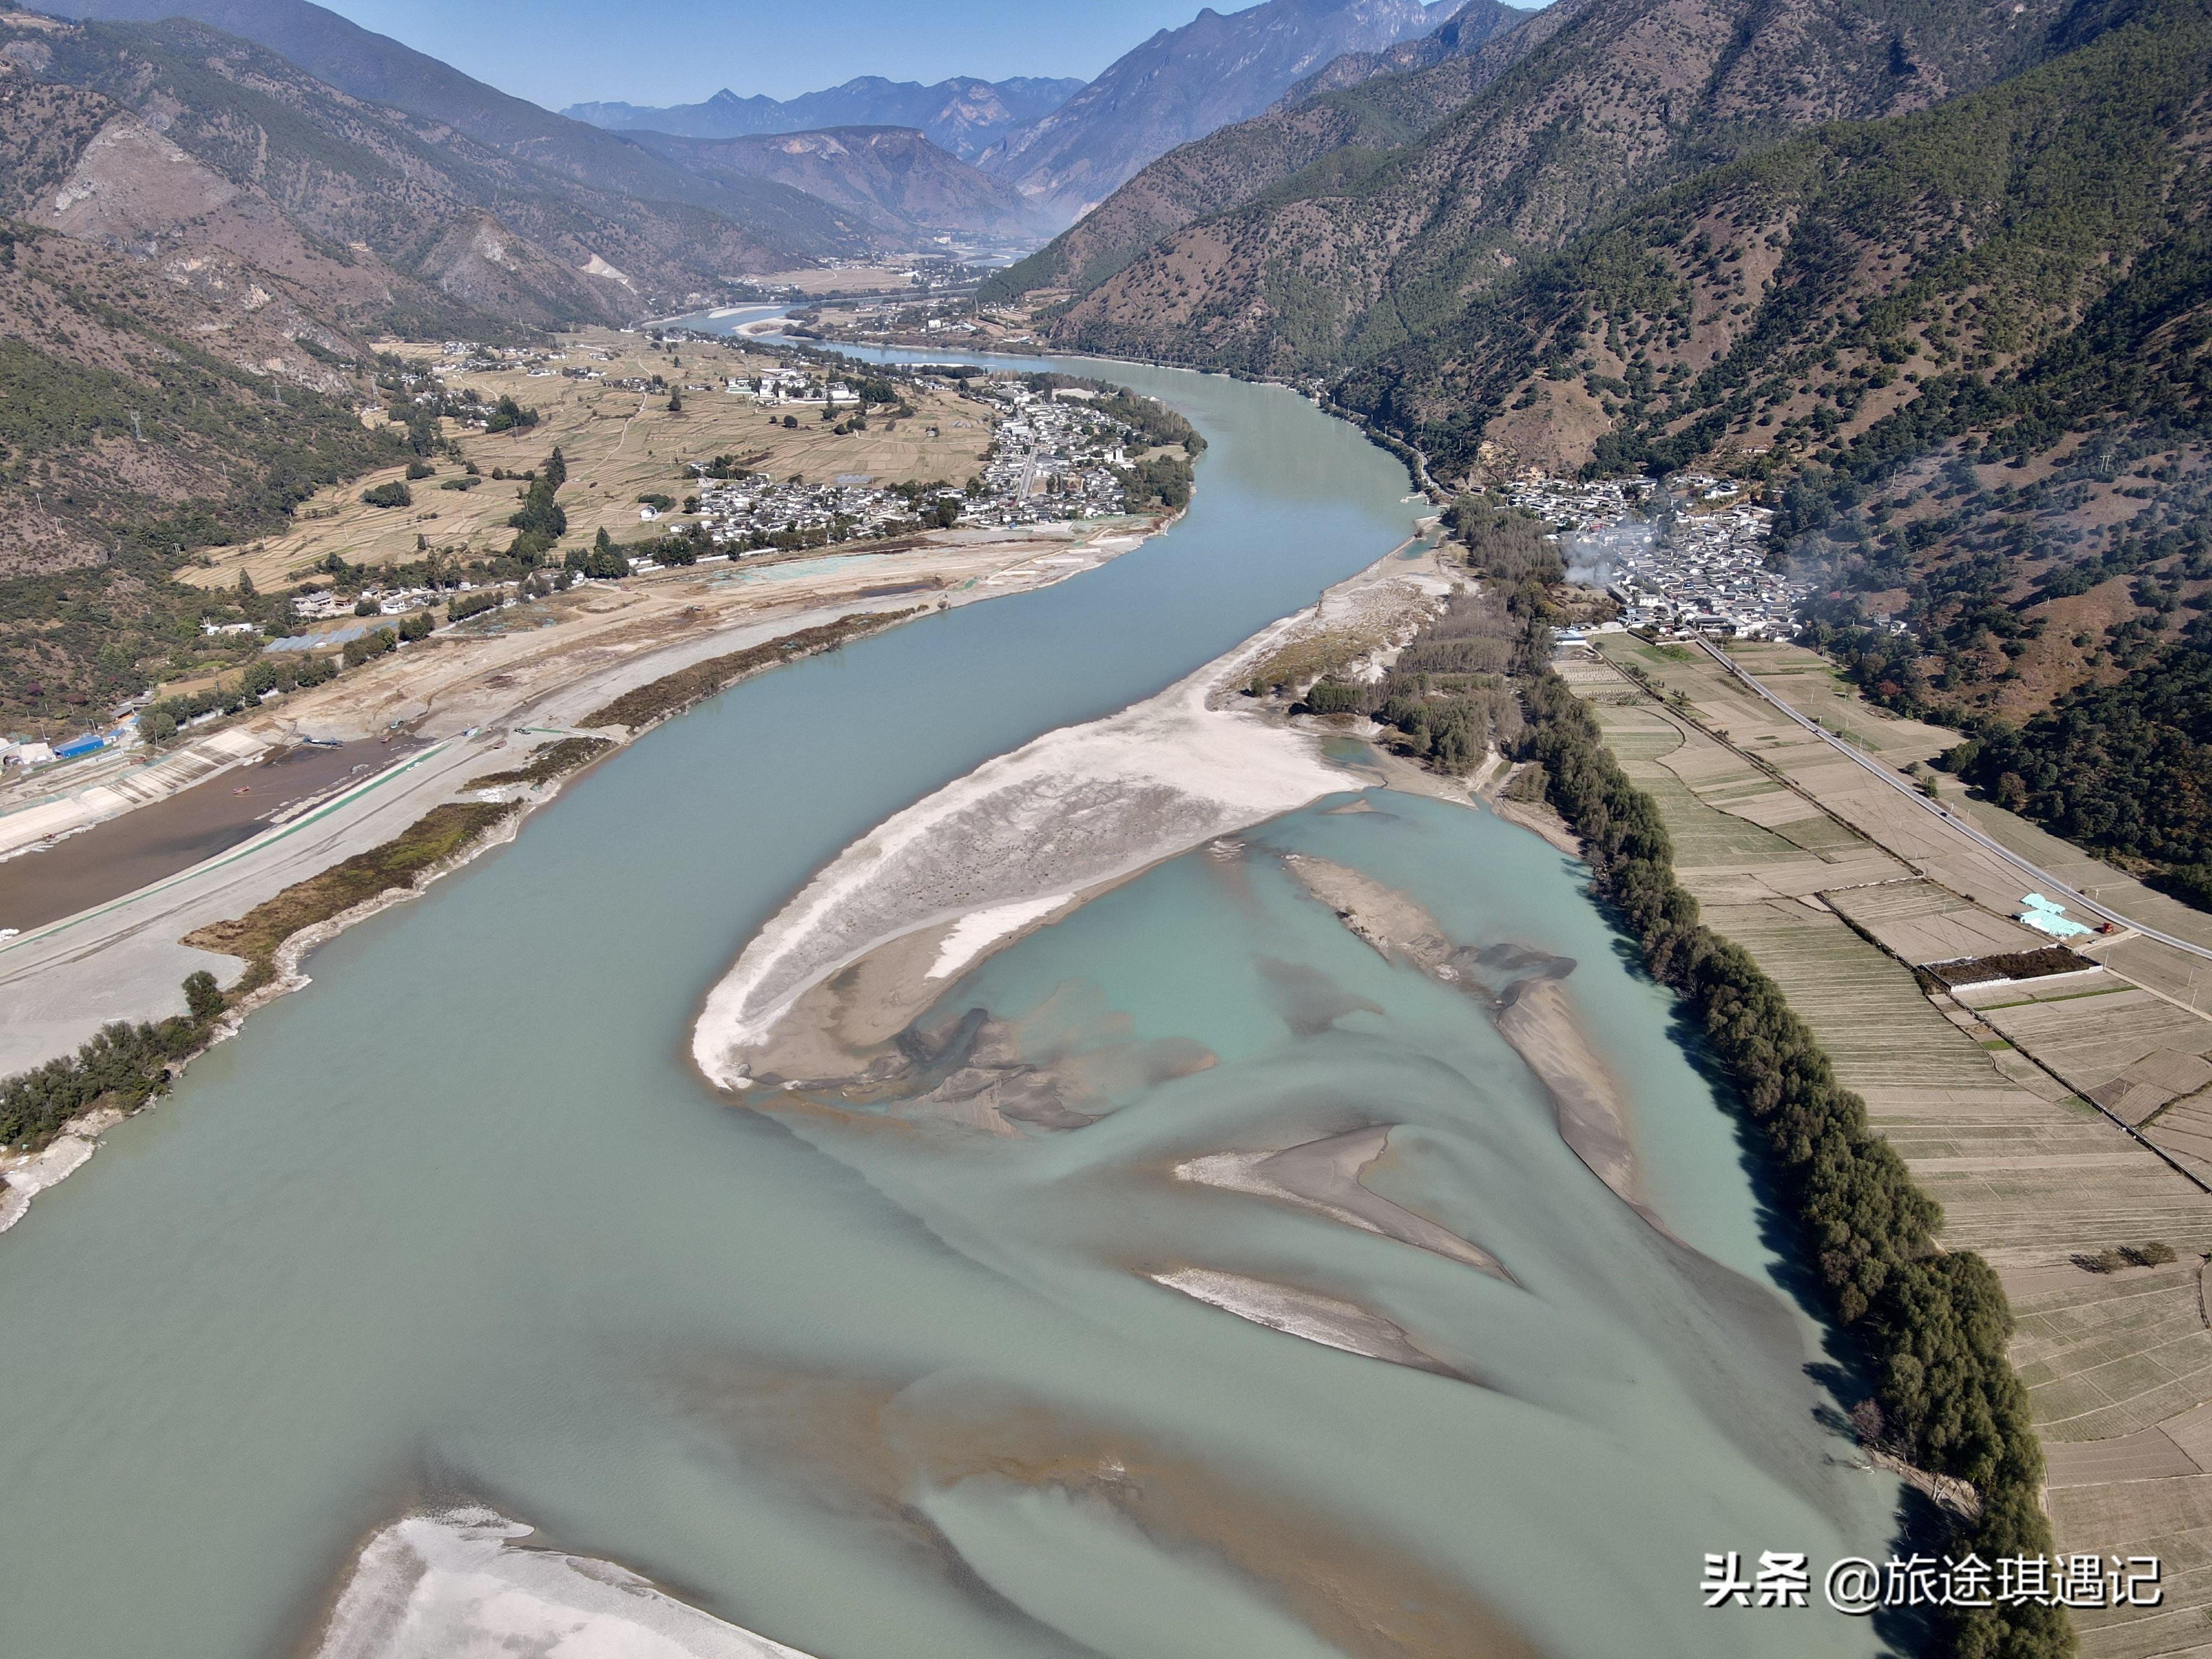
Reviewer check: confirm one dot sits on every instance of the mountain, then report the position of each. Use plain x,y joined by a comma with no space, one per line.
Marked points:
1863,293
892,176
1344,261
1361,101
487,225
961,116
782,228
1461,35
143,408
1182,84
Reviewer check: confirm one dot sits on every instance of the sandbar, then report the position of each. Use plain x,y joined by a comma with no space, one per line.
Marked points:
1323,1177
1066,815
1307,1315
463,1582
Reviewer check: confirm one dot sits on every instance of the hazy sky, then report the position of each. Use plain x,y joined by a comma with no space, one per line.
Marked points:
562,51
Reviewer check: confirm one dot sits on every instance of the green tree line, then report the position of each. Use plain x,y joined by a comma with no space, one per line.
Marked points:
1932,1325
122,1065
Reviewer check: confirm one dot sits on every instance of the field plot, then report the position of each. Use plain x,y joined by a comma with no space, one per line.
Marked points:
2092,1038
1704,836
1811,685
2183,1127
2171,1519
2112,1359
1888,1041
1919,922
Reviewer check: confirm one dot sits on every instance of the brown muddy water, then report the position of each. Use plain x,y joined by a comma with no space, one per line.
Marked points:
125,854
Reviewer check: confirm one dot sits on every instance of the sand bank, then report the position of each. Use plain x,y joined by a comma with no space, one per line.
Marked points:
464,1584
1323,1177
1068,814
1306,1315
1538,1020
1532,1011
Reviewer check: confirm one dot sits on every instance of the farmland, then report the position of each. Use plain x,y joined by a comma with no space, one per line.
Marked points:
2001,1097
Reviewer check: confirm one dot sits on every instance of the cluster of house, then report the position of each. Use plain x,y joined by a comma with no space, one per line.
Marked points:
790,385
1688,556
1051,460
1055,457
850,506
30,751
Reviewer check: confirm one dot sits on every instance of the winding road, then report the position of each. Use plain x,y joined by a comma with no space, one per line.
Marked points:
2049,884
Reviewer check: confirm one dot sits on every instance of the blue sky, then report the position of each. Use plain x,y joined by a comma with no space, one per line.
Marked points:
561,51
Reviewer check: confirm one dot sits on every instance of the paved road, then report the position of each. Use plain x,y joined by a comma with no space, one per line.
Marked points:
2045,881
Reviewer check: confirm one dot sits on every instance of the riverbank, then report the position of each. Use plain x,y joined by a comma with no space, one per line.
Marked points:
821,992
607,666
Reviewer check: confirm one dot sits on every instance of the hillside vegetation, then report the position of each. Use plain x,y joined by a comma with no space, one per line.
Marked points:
1934,280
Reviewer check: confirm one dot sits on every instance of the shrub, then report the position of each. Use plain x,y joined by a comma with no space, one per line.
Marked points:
369,645
395,493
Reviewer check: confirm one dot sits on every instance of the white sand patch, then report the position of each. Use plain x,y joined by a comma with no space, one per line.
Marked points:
1078,806
1306,1315
970,934
56,1162
461,1586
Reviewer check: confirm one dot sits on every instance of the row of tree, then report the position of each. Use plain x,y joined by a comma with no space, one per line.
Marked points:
1932,1325
122,1065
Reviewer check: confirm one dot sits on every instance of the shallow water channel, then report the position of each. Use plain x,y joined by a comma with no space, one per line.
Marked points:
459,1221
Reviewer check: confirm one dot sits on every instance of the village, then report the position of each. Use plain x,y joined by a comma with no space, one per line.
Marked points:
1689,556
1053,459
1021,455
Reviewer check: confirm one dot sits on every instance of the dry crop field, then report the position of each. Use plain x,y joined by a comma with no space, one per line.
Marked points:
1840,887
619,445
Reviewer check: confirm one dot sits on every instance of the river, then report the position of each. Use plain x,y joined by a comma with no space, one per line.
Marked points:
459,1221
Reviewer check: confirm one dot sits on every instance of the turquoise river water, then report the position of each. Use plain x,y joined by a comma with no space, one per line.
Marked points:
459,1221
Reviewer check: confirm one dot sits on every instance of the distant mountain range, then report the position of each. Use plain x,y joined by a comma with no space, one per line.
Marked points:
1400,93
892,178
1184,83
1063,146
961,116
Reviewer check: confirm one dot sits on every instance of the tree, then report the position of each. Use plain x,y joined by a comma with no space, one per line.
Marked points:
675,403
605,560
394,494
203,997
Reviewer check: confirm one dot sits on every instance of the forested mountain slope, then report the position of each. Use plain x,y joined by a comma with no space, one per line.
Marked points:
140,416
1182,84
1628,96
1363,101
